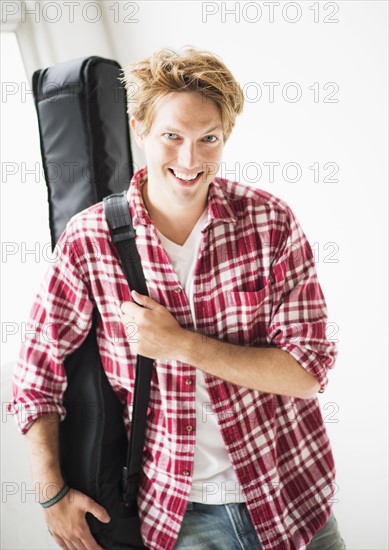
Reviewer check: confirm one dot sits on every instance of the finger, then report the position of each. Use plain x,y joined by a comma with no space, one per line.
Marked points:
61,543
99,512
96,510
144,301
128,308
70,545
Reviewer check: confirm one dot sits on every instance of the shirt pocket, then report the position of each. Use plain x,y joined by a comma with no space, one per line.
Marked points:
245,315
243,298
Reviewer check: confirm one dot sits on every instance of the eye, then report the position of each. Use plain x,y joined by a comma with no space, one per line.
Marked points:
213,140
169,134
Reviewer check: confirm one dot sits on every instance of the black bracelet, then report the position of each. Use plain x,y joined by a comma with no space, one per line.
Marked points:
64,491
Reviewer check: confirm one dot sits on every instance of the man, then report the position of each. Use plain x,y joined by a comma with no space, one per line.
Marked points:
236,454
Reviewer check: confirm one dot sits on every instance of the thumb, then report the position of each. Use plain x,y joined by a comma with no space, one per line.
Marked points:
144,300
99,512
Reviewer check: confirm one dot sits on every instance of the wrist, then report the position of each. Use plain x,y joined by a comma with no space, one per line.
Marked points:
189,348
48,485
59,495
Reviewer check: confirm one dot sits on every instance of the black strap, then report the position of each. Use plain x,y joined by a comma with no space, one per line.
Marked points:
118,216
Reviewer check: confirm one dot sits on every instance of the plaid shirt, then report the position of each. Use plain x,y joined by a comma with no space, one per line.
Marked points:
255,283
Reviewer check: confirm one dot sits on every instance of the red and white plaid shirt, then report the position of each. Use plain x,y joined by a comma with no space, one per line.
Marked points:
255,284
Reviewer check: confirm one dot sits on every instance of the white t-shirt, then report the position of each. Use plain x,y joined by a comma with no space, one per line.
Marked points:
214,479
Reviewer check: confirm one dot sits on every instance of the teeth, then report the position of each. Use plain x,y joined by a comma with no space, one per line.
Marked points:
183,177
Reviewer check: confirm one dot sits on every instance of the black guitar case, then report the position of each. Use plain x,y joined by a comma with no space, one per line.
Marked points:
84,136
85,146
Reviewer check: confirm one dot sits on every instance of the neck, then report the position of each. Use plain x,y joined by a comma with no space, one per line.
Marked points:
176,224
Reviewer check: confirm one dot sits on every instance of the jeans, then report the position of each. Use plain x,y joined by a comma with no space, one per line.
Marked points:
229,527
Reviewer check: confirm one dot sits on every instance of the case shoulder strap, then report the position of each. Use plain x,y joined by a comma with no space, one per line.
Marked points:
119,220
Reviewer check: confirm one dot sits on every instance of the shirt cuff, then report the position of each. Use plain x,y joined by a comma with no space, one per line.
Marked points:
26,411
311,362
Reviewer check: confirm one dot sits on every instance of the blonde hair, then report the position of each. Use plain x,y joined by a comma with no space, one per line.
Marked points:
169,71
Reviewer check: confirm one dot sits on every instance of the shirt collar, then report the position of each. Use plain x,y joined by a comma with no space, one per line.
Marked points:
139,213
219,207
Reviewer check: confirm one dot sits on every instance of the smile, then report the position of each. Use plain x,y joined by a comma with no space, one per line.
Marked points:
185,180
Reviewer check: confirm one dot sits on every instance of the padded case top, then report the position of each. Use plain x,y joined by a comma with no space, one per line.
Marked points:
84,135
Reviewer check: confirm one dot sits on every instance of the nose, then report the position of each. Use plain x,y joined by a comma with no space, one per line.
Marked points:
187,156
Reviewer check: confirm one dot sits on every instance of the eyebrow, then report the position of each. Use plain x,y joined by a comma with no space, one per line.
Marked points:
174,130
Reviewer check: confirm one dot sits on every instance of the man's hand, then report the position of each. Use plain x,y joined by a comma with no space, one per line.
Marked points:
66,519
152,330
67,524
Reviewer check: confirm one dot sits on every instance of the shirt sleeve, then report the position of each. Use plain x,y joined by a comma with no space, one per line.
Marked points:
299,316
59,322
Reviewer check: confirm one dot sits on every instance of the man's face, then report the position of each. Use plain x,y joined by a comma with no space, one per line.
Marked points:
185,141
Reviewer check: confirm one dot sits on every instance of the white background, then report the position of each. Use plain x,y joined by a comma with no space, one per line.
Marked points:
345,220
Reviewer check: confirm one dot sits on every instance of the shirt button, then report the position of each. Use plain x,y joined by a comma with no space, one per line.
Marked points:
188,382
177,289
185,472
189,428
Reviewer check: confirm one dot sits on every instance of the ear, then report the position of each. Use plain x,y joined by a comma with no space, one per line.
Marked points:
135,126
